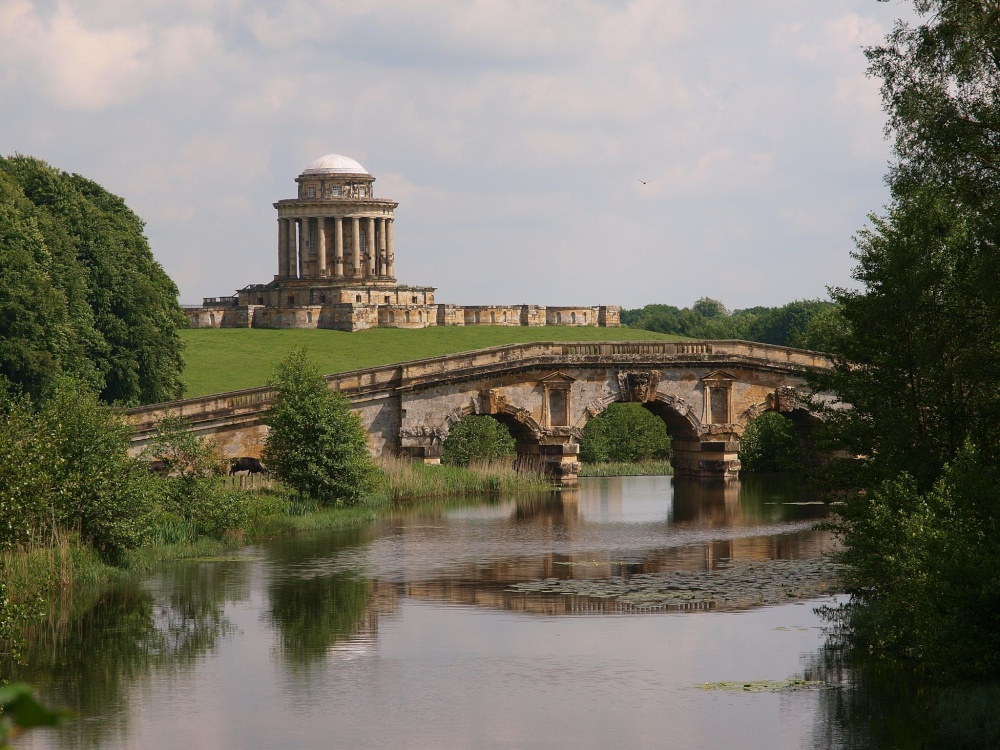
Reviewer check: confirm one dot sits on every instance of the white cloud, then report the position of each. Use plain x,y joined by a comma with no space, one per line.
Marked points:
514,129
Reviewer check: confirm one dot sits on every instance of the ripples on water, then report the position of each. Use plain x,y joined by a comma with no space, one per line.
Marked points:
406,634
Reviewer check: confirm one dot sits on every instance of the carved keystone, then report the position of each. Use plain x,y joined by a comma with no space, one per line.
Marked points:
638,386
784,399
493,401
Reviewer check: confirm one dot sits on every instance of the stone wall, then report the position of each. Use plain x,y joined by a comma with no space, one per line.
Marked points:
307,308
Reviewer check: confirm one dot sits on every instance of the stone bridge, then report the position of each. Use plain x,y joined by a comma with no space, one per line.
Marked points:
706,392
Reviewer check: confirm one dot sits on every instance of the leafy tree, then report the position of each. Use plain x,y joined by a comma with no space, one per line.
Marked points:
823,331
769,444
781,325
316,444
105,311
921,350
709,319
477,438
624,433
710,308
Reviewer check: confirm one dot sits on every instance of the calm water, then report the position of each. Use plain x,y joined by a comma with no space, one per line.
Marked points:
407,635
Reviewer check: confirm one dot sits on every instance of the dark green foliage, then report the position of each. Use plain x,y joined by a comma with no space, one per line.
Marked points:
923,568
769,444
316,444
625,433
920,357
314,614
477,438
64,468
709,319
82,293
193,490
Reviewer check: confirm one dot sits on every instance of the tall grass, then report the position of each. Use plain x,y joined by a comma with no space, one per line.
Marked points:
404,480
627,469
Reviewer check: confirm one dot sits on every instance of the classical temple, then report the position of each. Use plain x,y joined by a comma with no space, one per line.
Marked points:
336,269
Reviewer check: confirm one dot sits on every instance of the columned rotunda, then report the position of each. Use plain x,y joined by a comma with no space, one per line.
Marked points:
336,228
337,269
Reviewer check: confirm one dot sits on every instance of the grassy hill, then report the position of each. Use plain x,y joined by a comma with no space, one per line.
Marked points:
228,359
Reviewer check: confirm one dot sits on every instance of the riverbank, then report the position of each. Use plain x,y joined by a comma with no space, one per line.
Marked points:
34,576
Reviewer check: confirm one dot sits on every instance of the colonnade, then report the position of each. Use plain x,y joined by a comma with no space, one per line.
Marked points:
304,252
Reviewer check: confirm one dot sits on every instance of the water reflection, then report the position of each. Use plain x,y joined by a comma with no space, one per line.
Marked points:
94,653
412,621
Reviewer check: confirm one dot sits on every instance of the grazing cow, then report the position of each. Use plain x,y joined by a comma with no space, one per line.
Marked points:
158,467
247,464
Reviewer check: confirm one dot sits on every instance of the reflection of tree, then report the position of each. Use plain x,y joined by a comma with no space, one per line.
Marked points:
879,704
314,613
93,658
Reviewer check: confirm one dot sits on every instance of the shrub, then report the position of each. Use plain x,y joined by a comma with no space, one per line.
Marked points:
769,444
477,438
625,433
922,568
316,445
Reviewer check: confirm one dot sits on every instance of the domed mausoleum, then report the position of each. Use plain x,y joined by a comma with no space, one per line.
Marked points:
336,269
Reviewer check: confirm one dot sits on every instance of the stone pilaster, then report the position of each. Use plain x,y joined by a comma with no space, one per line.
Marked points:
338,247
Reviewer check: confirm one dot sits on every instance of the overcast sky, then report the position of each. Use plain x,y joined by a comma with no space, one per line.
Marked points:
513,133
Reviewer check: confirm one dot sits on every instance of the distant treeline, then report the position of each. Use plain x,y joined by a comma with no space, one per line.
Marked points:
808,324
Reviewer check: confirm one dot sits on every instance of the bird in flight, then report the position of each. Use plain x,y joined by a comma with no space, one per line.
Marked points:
644,182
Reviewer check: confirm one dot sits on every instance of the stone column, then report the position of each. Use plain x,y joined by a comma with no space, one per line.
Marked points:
382,264
303,245
282,248
370,247
338,247
356,246
291,255
390,248
321,240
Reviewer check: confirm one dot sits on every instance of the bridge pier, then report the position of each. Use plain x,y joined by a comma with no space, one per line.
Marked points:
715,458
560,461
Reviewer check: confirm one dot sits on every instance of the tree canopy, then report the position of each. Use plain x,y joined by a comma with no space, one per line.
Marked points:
788,325
81,292
918,356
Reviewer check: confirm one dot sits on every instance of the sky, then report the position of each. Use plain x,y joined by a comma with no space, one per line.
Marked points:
516,135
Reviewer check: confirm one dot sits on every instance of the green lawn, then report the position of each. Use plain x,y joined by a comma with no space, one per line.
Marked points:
228,359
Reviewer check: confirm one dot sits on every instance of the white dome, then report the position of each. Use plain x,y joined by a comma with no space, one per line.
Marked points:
335,164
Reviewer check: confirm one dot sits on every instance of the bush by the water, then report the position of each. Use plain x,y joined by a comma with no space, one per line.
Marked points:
316,444
625,433
922,568
65,469
477,438
769,444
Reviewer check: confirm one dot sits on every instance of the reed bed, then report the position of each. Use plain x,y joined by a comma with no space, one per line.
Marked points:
627,469
408,480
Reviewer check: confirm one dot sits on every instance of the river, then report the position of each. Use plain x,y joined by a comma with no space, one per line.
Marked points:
591,618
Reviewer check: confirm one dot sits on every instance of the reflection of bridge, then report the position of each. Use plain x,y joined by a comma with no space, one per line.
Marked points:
705,391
